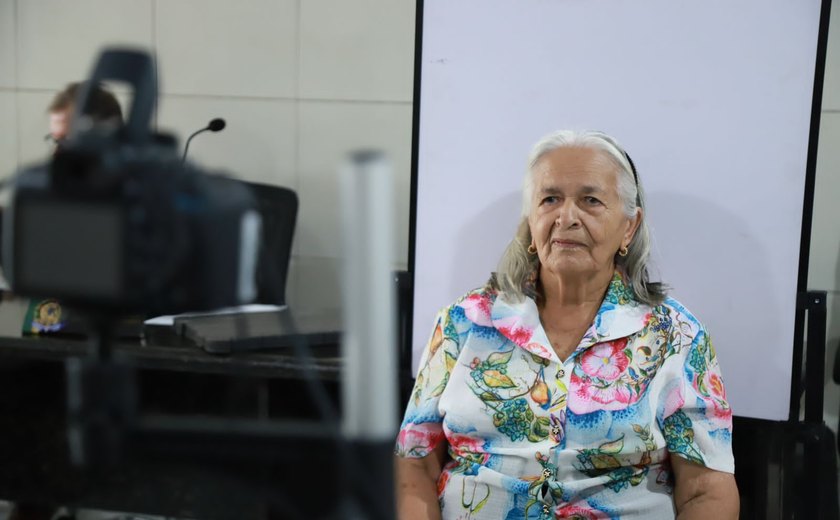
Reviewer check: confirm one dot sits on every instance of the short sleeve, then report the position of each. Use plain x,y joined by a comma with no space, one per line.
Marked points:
701,429
422,426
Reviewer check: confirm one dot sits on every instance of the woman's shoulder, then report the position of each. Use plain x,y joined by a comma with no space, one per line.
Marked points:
483,297
473,307
679,317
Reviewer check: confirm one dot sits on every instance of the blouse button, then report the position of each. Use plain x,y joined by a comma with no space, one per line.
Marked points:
545,509
555,430
546,473
560,374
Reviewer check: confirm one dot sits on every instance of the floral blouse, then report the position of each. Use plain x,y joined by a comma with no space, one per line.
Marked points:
531,436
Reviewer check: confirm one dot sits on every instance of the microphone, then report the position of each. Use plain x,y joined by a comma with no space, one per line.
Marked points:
215,125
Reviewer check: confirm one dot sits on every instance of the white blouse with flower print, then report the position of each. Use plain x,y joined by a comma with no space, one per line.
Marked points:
531,436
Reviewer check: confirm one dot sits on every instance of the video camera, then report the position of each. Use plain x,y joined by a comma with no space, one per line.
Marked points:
117,223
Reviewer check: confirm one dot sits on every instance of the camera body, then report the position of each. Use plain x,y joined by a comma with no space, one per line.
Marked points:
117,223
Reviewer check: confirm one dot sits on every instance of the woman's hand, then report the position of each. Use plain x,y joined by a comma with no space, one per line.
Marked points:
417,485
700,492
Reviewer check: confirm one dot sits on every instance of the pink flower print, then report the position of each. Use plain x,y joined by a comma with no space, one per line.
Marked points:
615,394
514,330
469,448
715,385
539,350
578,513
418,440
590,395
719,413
442,481
674,400
606,361
717,409
477,309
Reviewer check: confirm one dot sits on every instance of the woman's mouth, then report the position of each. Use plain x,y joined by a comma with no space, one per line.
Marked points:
566,243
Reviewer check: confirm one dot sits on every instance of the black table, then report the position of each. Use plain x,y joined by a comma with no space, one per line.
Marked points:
215,477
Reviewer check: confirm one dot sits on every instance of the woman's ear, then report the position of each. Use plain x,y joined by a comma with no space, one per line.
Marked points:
524,231
635,222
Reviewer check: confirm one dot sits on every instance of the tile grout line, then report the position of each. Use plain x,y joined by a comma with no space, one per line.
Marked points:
292,99
153,28
16,53
38,90
296,137
296,132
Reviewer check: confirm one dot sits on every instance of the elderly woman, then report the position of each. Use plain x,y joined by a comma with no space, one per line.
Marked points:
570,386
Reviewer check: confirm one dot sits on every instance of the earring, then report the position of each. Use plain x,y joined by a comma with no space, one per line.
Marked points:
532,250
623,251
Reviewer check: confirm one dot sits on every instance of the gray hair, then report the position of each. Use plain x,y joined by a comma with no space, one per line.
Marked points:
518,270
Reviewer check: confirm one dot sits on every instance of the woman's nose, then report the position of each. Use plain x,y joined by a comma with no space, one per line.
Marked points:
567,215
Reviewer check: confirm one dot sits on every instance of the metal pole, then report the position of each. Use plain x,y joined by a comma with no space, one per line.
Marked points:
816,505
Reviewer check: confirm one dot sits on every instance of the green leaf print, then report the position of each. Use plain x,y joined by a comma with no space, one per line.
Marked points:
644,434
441,387
450,361
498,359
637,478
596,462
540,360
418,388
470,504
612,447
496,379
539,429
679,435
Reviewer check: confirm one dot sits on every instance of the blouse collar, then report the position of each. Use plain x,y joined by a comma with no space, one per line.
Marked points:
620,315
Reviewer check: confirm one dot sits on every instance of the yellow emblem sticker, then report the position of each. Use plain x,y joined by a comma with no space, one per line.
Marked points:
46,317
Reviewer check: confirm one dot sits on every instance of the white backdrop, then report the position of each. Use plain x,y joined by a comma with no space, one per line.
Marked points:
712,99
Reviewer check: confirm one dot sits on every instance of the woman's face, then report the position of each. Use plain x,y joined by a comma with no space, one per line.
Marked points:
577,220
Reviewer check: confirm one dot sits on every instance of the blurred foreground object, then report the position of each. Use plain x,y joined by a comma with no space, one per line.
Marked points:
103,108
134,229
369,390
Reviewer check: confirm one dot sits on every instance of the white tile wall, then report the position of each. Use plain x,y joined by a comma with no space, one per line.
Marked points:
32,126
357,50
831,389
833,334
240,61
291,281
58,40
327,132
8,140
316,283
244,48
258,143
831,89
8,47
824,268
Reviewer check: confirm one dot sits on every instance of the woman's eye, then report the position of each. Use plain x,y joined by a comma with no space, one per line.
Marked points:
549,200
592,201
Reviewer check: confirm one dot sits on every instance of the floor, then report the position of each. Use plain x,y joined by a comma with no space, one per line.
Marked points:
5,510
